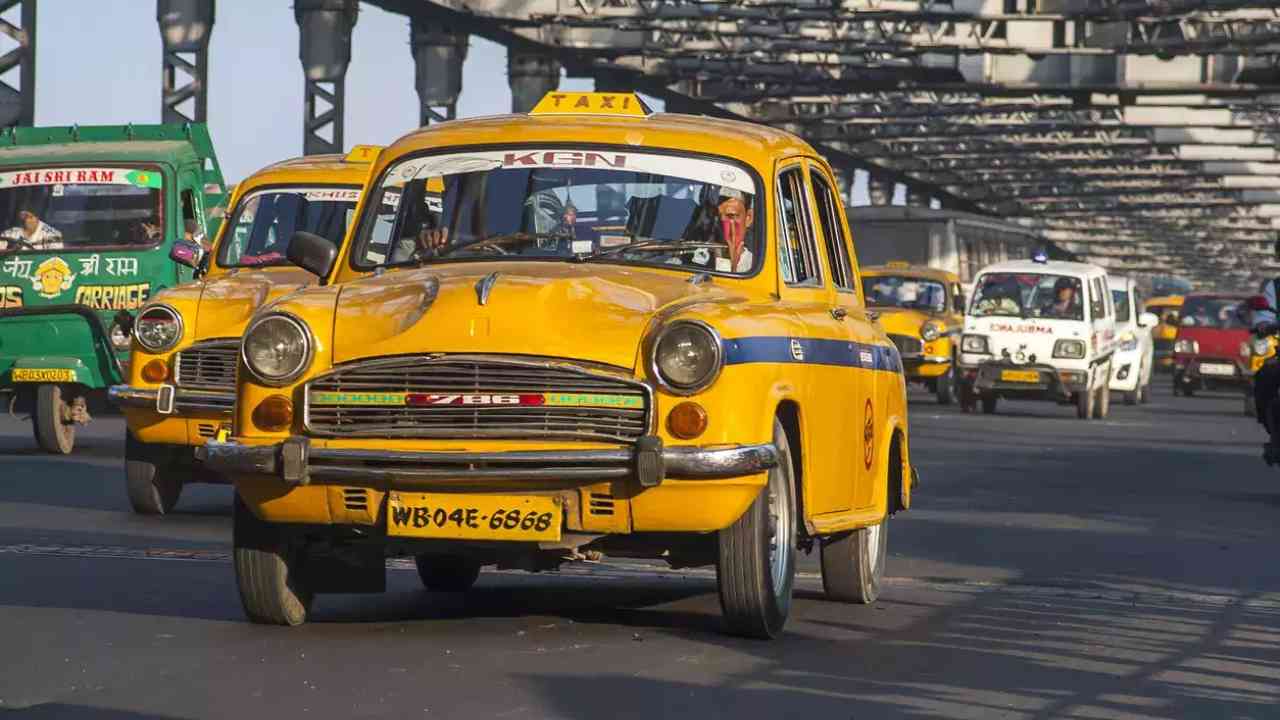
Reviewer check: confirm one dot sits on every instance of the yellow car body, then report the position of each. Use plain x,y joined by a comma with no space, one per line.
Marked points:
802,357
179,397
930,361
1166,332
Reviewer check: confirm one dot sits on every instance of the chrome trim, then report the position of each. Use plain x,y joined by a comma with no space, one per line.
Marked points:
656,374
484,286
307,358
183,400
182,328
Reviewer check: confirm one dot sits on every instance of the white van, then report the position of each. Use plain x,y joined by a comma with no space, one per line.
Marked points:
1131,367
1039,330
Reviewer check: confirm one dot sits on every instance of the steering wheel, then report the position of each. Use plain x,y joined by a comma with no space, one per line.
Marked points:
21,242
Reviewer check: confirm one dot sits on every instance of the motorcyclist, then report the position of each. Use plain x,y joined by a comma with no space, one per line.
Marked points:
1266,382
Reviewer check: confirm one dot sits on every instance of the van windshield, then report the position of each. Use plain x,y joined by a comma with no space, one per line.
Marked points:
73,208
1028,295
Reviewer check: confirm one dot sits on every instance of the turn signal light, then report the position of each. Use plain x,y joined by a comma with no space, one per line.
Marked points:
156,371
273,414
687,420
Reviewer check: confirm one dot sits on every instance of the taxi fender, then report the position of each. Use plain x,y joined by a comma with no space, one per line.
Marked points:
894,423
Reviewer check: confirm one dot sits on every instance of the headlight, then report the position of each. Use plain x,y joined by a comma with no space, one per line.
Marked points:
1190,347
930,331
277,348
974,344
1069,349
1129,342
158,328
1261,347
687,356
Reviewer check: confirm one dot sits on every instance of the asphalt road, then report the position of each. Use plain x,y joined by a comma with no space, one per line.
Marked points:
1051,568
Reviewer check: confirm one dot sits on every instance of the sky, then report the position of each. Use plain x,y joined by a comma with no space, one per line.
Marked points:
103,68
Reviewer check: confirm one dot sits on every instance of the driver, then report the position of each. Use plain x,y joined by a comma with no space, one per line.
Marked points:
735,217
1064,303
31,233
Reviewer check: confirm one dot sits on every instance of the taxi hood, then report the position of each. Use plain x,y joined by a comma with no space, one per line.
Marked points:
586,311
227,301
903,321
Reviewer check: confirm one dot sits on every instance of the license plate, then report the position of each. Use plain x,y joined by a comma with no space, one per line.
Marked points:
43,375
473,517
1021,376
1215,369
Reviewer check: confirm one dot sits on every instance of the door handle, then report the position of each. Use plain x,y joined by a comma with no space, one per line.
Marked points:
839,313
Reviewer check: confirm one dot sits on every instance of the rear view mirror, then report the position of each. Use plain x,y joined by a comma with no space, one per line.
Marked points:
186,253
312,253
1258,302
1148,320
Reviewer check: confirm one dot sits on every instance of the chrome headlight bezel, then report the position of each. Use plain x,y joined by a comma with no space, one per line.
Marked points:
715,344
308,353
167,345
930,331
974,344
1061,352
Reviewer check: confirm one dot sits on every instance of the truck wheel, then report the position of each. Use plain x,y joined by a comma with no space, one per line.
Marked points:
1084,404
945,387
151,479
54,429
447,573
268,574
989,401
1102,406
756,566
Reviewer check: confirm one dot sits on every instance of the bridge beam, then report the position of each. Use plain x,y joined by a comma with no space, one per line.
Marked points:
324,47
18,104
438,54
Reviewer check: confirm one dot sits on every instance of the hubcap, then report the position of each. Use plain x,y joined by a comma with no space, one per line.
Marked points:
779,532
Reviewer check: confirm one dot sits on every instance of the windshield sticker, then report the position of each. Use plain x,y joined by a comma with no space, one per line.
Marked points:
312,194
52,278
10,296
113,297
696,169
81,176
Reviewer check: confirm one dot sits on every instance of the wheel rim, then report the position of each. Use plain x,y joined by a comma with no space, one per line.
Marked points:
780,521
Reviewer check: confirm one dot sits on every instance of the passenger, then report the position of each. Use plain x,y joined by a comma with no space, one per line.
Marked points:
31,233
1066,302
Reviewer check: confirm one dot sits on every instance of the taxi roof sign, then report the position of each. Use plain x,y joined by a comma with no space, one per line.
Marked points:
363,154
591,103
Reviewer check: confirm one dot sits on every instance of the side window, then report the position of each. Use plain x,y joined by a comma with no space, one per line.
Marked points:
191,229
796,252
833,233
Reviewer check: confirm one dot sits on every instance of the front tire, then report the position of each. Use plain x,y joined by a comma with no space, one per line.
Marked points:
54,429
945,388
152,480
268,571
447,573
756,565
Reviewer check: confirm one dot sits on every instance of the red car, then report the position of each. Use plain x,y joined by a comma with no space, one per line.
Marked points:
1211,351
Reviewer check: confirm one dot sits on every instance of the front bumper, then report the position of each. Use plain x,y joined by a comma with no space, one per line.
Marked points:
648,463
1187,369
988,377
168,400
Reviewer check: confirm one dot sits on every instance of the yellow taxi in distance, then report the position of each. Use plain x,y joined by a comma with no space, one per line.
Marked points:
922,310
1167,308
588,329
181,380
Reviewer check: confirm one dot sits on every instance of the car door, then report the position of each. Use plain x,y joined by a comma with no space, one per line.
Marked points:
821,341
861,408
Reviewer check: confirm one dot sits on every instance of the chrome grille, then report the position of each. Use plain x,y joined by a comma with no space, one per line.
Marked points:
210,365
423,397
907,345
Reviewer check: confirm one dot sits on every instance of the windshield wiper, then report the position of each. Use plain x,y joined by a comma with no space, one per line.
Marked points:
493,240
649,244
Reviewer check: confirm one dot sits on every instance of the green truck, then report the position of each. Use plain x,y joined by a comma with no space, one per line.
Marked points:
93,222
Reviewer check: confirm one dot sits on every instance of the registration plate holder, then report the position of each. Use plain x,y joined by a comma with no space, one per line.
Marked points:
1217,369
474,516
43,375
1020,376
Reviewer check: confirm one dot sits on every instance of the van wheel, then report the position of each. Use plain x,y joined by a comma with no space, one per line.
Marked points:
1131,396
1103,404
945,387
151,477
447,573
989,401
756,565
267,571
55,431
1084,404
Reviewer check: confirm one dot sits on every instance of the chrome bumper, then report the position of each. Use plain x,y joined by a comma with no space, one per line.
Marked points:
182,400
648,463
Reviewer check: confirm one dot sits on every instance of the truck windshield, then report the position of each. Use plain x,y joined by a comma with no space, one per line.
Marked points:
78,208
588,204
263,222
904,292
1035,295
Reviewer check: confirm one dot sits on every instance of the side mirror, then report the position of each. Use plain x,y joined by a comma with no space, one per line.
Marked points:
186,253
1148,320
1258,302
312,253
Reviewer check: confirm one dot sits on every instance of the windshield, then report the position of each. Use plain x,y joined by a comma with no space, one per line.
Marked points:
1035,295
564,204
1211,312
77,208
263,222
904,292
1121,300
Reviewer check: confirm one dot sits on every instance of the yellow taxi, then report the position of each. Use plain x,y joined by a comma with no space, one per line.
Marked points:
586,329
182,370
922,310
1167,308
